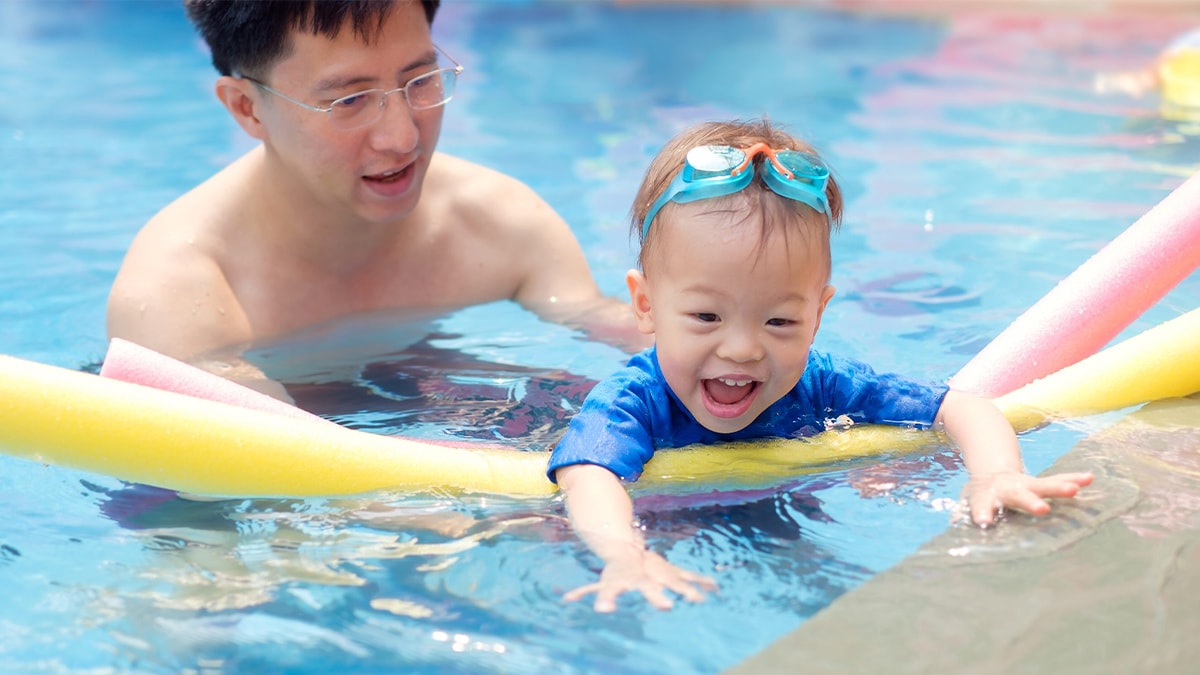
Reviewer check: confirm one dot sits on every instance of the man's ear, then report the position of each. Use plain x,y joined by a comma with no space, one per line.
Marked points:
826,296
234,93
639,297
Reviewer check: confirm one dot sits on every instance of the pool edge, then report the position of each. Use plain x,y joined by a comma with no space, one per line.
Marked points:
1114,598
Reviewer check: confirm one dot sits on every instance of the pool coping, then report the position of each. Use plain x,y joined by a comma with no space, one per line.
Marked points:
1105,583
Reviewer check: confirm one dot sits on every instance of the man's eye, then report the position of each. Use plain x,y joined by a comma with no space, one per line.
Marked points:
352,101
421,82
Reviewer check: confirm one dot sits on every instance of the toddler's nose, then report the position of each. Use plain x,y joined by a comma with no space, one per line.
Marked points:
741,346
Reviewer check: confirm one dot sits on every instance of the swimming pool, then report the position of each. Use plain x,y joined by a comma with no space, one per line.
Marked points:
980,167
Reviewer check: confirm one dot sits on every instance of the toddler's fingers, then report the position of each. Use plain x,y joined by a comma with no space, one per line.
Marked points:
1081,478
983,509
707,583
578,593
657,599
1028,501
1066,485
606,600
686,590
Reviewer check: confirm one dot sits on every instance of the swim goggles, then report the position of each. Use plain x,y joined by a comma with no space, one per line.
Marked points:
718,170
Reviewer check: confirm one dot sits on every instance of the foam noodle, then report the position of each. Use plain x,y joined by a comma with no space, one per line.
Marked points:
130,362
180,442
1179,75
171,440
1163,362
1096,301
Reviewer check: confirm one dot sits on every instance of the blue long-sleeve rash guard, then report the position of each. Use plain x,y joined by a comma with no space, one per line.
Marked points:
628,416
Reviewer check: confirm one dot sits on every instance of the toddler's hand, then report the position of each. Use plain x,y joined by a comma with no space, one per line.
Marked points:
988,494
648,573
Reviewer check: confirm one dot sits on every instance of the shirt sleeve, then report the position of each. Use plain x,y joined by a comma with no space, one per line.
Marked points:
612,429
854,389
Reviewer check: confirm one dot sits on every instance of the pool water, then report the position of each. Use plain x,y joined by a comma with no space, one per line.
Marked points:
981,166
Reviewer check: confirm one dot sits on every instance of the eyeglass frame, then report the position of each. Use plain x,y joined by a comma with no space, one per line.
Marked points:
328,110
687,186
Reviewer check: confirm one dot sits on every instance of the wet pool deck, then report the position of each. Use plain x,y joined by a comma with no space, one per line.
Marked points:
1107,584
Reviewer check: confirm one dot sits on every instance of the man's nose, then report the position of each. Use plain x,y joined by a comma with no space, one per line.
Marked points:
395,128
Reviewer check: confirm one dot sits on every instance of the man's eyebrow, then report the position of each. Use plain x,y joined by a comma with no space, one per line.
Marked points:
338,82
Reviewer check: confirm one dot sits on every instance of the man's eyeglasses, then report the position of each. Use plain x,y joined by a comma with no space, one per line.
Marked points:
359,109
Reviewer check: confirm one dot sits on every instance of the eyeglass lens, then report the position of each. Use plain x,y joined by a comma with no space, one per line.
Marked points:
427,91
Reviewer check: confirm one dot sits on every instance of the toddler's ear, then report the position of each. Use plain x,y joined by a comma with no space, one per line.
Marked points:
639,297
826,296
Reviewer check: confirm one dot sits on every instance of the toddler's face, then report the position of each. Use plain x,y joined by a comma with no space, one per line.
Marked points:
733,320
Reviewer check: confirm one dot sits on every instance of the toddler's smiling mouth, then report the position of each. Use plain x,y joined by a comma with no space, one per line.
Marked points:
729,397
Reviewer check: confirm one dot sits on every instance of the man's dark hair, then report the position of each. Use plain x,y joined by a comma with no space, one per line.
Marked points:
247,36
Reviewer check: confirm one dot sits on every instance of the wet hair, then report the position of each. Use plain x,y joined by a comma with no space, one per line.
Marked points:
779,212
246,37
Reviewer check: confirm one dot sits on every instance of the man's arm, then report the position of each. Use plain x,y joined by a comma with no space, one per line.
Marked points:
180,305
175,302
555,280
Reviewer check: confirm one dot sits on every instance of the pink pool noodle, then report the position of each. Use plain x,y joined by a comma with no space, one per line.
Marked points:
1095,302
130,362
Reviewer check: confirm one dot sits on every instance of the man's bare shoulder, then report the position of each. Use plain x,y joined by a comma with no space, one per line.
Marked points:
482,198
509,229
185,239
201,222
174,268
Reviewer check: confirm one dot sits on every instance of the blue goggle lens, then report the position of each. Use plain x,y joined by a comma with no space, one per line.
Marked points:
803,164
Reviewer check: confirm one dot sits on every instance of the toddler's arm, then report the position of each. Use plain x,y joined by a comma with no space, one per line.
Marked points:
993,458
602,515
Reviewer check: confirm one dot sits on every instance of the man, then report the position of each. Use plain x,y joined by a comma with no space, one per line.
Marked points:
344,207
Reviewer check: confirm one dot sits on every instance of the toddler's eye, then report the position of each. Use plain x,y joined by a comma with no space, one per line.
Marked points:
706,317
780,322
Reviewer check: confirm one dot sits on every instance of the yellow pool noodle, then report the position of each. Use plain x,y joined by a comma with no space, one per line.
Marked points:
1179,73
140,434
1162,362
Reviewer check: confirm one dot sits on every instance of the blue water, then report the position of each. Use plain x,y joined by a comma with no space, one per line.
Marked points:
980,168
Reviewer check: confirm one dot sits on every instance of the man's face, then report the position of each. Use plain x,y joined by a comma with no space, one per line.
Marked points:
373,173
